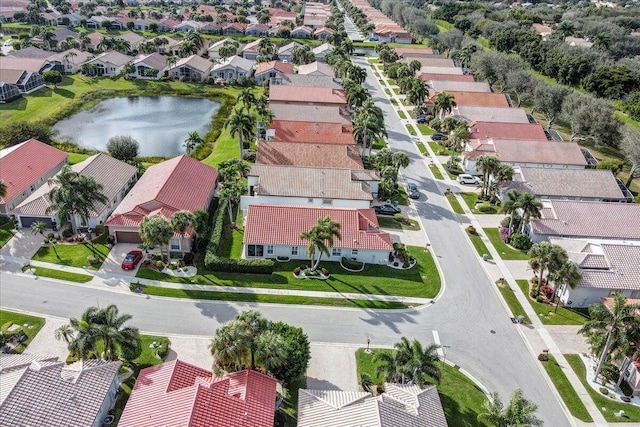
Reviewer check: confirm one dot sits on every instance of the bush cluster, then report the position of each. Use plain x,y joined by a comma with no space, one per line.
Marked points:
520,241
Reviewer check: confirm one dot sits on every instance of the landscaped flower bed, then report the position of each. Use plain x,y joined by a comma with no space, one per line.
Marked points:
307,273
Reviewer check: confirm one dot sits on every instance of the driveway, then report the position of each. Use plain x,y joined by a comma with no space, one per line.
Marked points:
24,244
46,343
113,264
332,367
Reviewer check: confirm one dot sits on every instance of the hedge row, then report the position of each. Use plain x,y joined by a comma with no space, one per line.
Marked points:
213,262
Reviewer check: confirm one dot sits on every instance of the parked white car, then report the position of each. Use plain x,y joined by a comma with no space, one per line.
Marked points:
464,178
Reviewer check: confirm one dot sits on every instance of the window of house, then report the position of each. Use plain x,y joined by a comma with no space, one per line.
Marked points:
33,187
174,245
255,250
635,294
354,252
327,201
336,252
310,200
294,250
269,249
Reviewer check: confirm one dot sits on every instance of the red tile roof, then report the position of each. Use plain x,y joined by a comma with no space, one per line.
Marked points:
166,188
307,95
282,225
486,130
323,133
476,99
306,154
23,164
177,394
264,67
428,77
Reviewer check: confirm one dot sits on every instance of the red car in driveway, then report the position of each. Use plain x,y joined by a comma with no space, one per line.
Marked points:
131,260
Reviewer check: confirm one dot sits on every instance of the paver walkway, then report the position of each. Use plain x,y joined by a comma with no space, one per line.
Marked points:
24,244
46,343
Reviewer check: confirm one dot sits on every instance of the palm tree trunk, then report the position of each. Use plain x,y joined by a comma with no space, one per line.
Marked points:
603,357
634,168
511,222
315,265
241,146
540,278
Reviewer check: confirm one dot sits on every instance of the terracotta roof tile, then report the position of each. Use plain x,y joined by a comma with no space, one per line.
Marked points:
264,67
309,154
282,225
450,85
427,77
476,99
502,131
315,113
307,95
322,133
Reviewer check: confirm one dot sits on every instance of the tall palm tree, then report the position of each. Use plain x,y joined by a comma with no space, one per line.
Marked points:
519,412
226,348
181,221
74,195
357,74
567,275
357,95
116,338
192,142
84,40
443,104
531,208
271,350
612,331
321,238
510,206
38,227
231,192
486,164
546,256
414,66
233,170
457,139
419,365
196,39
367,129
68,55
390,366
417,92
248,99
156,230
240,124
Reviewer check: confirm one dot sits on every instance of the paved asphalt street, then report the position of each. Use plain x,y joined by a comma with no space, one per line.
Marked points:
469,316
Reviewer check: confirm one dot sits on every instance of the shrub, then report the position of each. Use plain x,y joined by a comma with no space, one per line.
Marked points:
604,391
472,230
50,236
543,357
181,264
67,232
163,350
172,266
533,292
540,299
254,266
325,271
484,207
296,271
188,258
520,241
398,217
92,260
160,264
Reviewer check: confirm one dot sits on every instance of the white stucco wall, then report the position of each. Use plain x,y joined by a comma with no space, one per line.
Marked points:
302,201
368,256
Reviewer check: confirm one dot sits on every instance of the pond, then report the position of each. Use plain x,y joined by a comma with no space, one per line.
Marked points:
159,123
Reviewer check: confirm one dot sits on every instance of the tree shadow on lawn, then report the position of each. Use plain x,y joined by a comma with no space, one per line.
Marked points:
455,417
65,93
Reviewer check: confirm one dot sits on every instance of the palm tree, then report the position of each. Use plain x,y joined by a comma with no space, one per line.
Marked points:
117,339
84,40
181,221
357,95
502,174
612,331
231,193
443,104
366,382
419,365
510,206
38,227
171,61
271,350
196,39
321,237
368,128
241,124
226,348
156,230
248,99
390,366
518,413
3,188
192,141
187,48
417,92
546,256
531,208
357,74
233,170
567,275
486,164
457,139
414,66
66,57
74,195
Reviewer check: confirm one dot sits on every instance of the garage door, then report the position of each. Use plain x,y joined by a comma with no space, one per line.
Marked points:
128,237
26,221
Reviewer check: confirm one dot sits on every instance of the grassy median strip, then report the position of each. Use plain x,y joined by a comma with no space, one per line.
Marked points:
33,326
271,299
566,390
548,314
436,172
478,243
607,406
506,252
62,275
513,303
455,204
388,222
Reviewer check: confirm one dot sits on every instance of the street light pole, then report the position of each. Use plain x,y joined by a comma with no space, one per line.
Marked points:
444,353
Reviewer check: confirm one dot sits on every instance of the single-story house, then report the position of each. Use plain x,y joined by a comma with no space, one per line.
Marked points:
187,26
605,267
21,80
167,25
232,69
307,95
595,220
476,99
25,167
272,70
214,49
438,86
31,52
524,153
257,30
578,42
497,130
542,30
94,39
428,77
251,50
274,231
164,189
171,47
41,391
402,51
28,67
179,394
399,405
73,17
142,24
133,39
316,69
430,61
62,34
71,59
323,32
8,91
116,178
310,186
94,23
568,184
319,133
451,71
323,50
302,33
150,67
233,29
490,114
193,68
309,154
108,64
307,81
318,113
285,52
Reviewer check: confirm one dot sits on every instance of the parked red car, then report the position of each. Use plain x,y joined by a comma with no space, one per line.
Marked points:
131,260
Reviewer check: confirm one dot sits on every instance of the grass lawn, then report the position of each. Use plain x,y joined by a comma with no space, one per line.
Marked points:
632,413
402,114
73,254
390,222
506,252
77,158
546,314
411,130
566,390
34,324
6,233
394,101
455,205
231,241
425,130
513,303
471,198
478,243
379,144
290,402
422,280
436,172
439,149
421,147
62,275
444,24
461,399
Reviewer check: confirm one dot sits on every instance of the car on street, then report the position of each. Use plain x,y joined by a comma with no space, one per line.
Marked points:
131,260
437,136
386,209
421,119
412,191
8,43
464,178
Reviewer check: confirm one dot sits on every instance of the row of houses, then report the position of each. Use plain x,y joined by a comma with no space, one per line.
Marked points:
582,209
384,28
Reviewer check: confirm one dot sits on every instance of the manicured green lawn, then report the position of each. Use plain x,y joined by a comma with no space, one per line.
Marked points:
77,158
389,222
34,324
62,275
471,199
73,254
411,130
566,390
425,130
436,172
547,314
455,205
421,147
461,399
402,114
231,242
422,280
6,233
632,413
439,149
478,243
513,303
506,252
